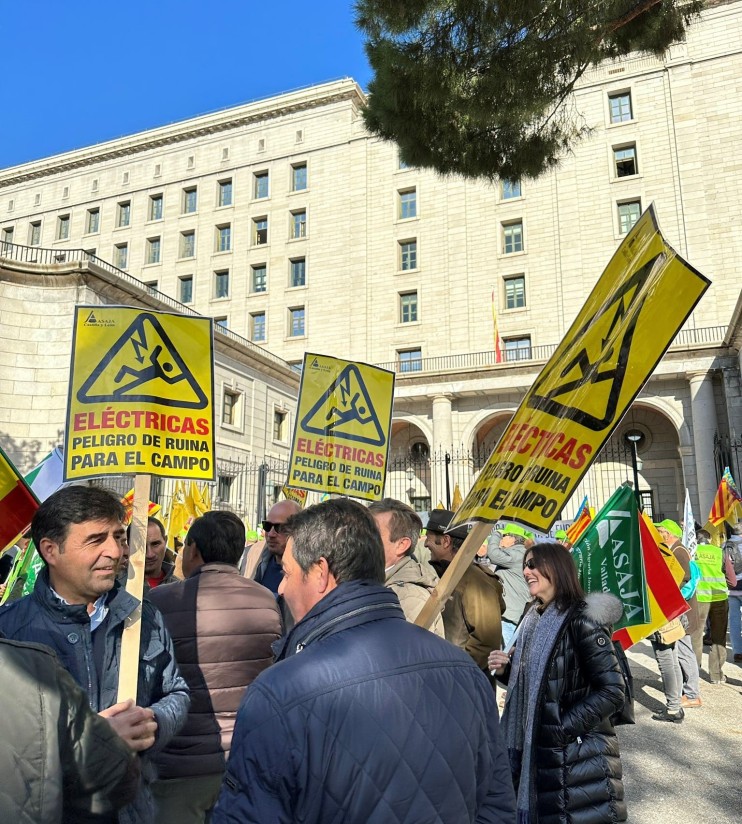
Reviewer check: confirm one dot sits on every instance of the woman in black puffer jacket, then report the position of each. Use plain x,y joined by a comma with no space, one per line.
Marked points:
564,684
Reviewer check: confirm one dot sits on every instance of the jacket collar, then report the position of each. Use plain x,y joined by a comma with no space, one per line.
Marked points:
215,566
120,604
348,605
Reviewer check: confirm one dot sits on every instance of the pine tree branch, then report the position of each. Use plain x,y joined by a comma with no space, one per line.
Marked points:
638,10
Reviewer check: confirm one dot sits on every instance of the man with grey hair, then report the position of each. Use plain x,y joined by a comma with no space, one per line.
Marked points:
399,526
361,719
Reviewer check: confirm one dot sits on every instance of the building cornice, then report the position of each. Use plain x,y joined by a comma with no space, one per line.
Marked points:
257,112
122,291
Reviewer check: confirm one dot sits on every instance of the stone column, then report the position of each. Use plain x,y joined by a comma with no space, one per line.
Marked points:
703,410
690,481
442,443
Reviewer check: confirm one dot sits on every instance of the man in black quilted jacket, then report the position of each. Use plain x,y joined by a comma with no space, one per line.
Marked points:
365,718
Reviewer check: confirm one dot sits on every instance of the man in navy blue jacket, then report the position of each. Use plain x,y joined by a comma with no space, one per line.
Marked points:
365,718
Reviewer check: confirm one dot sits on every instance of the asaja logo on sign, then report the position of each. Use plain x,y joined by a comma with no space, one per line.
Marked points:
95,319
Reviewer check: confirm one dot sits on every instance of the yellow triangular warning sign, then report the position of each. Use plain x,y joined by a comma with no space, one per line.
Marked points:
143,366
584,384
345,411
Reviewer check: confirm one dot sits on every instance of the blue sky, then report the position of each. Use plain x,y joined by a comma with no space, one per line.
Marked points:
86,71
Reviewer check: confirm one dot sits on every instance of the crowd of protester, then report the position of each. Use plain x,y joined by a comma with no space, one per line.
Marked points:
285,680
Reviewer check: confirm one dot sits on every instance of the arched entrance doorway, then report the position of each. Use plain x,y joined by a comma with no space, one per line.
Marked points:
659,465
408,475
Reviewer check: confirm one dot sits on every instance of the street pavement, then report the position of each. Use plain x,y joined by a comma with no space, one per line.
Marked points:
688,773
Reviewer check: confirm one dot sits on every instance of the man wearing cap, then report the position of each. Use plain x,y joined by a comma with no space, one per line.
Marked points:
506,551
472,617
671,533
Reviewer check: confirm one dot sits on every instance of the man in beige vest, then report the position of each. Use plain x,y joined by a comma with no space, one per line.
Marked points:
400,527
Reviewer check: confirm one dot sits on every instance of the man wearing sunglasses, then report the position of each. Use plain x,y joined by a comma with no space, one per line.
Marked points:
269,571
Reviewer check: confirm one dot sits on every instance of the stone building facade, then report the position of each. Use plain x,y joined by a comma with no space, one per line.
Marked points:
255,391
295,229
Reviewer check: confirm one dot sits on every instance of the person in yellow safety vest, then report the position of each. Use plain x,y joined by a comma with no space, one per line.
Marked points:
713,602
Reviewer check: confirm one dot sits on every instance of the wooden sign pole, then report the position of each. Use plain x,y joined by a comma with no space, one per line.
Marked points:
453,574
129,664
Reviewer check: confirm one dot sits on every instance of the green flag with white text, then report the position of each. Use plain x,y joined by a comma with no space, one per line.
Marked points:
609,557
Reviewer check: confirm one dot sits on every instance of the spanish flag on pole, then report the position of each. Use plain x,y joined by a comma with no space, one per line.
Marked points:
17,503
498,340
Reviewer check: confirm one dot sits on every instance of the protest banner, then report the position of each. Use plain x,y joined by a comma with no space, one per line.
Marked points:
663,574
629,320
689,527
140,395
643,297
140,401
298,496
343,420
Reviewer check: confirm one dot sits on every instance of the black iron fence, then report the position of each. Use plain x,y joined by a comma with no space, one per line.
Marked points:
248,487
425,480
728,452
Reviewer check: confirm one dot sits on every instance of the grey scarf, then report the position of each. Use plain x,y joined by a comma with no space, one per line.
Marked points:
528,668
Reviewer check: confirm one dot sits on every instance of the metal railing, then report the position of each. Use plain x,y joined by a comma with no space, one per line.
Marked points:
704,336
52,257
728,453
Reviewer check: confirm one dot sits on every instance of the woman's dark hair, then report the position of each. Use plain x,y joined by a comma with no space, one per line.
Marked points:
554,562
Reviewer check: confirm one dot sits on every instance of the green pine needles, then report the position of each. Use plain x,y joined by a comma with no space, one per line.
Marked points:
482,89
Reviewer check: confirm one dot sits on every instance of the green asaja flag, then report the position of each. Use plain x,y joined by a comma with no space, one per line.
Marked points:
609,557
22,577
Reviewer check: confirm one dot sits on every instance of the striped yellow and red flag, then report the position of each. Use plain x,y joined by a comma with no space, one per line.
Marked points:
17,503
665,600
726,506
128,502
581,522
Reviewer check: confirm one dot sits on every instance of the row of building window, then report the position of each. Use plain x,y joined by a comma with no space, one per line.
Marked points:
189,198
258,280
513,349
232,415
512,236
408,311
187,247
296,322
187,240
